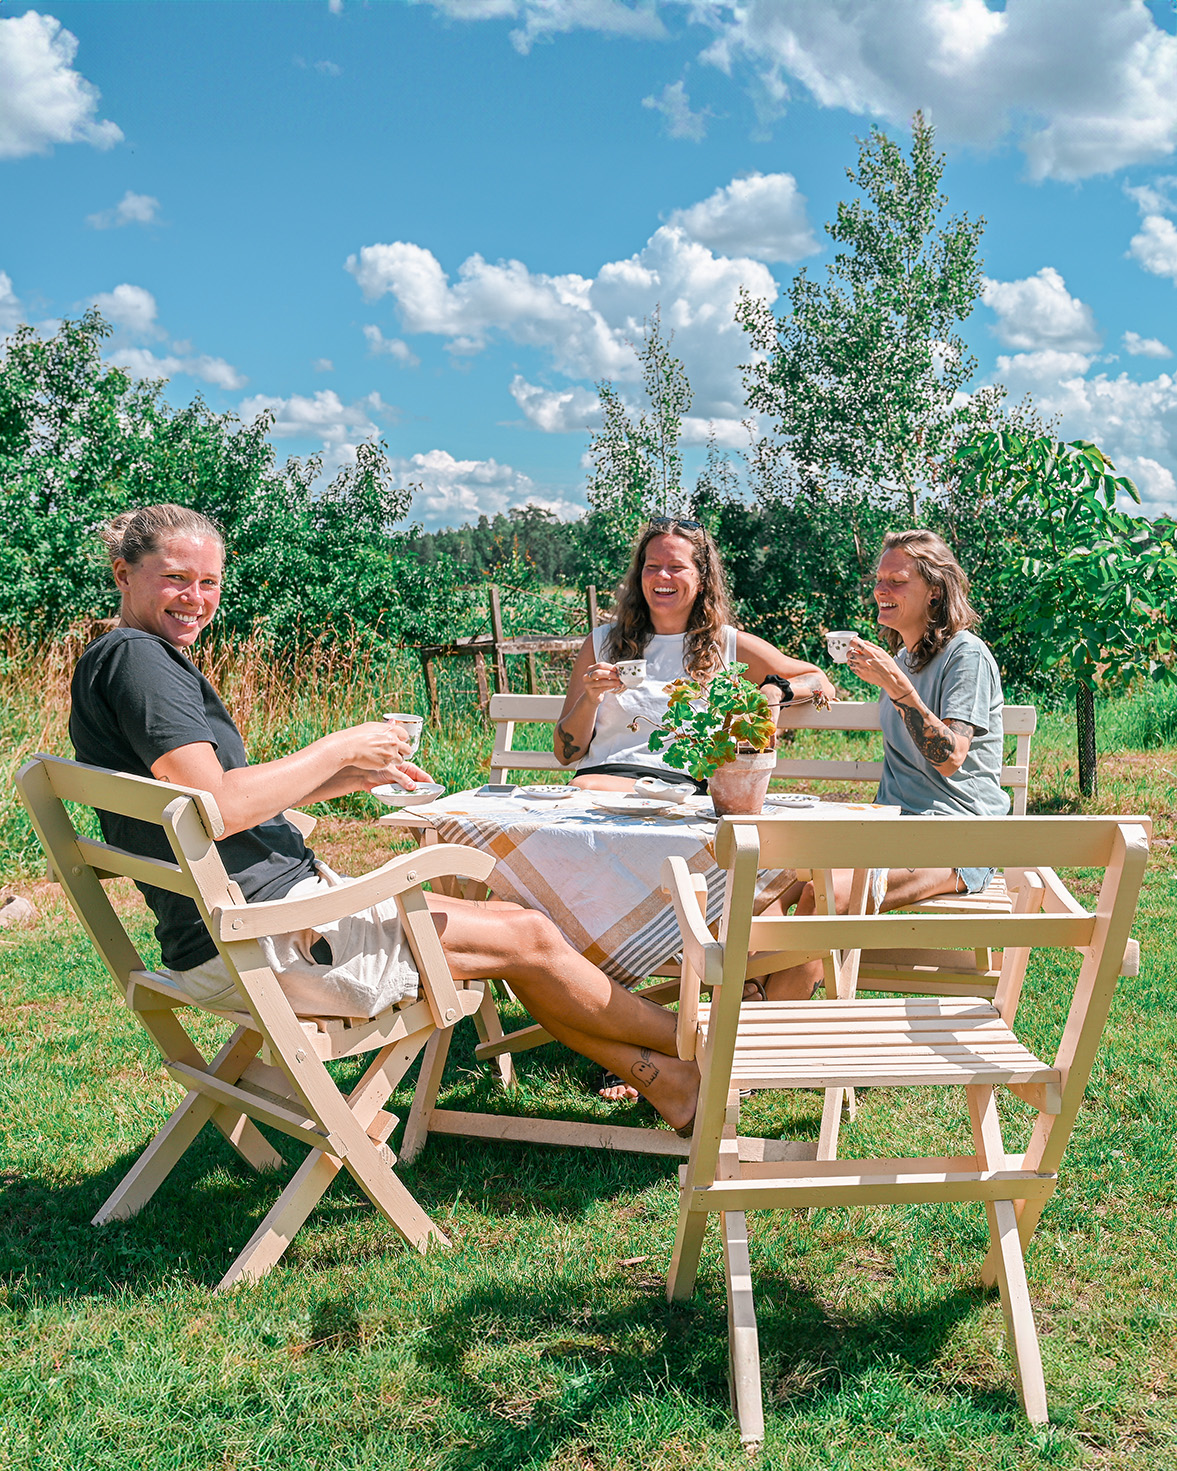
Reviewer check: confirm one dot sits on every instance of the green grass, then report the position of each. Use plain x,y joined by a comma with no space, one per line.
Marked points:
543,1339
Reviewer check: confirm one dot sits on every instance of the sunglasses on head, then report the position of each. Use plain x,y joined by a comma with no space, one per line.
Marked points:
659,523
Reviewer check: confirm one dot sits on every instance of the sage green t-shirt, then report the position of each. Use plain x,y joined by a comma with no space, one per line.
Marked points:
961,682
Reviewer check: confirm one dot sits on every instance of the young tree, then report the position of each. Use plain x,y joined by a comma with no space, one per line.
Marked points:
636,460
860,378
1095,588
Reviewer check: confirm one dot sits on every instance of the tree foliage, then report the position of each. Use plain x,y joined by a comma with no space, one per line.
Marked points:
81,440
860,378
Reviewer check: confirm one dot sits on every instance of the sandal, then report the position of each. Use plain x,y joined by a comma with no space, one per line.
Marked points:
612,1080
758,993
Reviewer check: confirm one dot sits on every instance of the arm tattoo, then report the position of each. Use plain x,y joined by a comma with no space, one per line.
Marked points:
569,749
934,739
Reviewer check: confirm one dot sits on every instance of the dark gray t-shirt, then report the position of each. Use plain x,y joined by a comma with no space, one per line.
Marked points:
135,698
962,682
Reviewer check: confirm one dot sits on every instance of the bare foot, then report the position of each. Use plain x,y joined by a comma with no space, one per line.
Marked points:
616,1090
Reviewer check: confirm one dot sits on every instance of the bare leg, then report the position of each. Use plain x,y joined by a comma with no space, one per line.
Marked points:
904,886
570,998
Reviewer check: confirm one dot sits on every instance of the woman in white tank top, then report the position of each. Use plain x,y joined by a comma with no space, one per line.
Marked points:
673,612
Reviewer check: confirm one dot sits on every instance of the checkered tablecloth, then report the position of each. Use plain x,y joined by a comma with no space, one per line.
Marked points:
597,875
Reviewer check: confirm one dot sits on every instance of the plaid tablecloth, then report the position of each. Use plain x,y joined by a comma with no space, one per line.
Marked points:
597,875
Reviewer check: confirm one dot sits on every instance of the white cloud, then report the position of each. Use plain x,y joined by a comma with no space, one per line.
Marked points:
132,311
141,362
762,216
335,7
1131,422
1039,312
1145,347
324,417
981,72
11,311
1154,481
557,411
454,491
132,209
323,365
587,327
42,100
675,107
130,307
1155,247
393,346
328,68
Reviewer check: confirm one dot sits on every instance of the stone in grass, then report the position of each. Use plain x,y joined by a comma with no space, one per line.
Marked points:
16,910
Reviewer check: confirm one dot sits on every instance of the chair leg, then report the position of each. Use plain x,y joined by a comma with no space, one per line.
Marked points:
425,1096
490,1029
247,1139
157,1161
684,1261
743,1341
831,1122
265,1247
393,1200
1019,1315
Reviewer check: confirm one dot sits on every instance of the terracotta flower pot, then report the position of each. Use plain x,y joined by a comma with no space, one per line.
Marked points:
740,786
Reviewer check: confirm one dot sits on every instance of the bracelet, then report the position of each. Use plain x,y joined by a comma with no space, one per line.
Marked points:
782,684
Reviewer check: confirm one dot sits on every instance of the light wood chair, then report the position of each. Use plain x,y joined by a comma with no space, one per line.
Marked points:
271,1069
938,1041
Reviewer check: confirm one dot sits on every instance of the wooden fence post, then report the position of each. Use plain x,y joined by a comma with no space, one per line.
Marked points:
496,633
592,606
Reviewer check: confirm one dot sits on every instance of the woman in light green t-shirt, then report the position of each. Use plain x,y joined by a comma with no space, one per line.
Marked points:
940,710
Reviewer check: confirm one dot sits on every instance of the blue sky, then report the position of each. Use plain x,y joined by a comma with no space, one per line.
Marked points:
442,222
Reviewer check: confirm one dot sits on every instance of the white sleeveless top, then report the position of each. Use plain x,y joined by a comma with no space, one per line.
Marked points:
612,739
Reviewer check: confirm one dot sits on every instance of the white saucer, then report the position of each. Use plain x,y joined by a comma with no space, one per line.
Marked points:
547,794
629,806
393,796
791,799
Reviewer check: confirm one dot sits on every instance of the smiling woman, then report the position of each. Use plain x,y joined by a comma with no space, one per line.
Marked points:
673,620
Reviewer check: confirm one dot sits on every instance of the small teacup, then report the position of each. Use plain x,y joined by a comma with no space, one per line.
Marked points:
838,644
414,724
632,673
663,791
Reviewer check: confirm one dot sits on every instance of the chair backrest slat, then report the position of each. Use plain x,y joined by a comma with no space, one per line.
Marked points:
115,791
117,862
792,840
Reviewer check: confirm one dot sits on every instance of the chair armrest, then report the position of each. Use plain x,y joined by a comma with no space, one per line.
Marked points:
408,871
303,821
702,954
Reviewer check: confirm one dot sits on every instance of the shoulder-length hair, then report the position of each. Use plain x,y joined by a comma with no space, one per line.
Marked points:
703,652
950,609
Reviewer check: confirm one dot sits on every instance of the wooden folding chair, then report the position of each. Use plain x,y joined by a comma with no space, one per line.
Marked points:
969,1042
271,1070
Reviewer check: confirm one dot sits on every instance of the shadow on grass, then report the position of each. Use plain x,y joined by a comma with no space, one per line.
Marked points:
648,1355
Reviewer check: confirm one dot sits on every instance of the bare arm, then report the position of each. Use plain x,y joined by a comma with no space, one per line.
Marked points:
349,760
591,681
944,744
763,659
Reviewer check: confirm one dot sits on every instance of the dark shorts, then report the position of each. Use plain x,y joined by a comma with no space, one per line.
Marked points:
631,768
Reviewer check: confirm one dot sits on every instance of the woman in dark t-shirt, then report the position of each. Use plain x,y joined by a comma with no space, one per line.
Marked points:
139,705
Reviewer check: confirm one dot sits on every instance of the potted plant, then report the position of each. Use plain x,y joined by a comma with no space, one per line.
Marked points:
722,732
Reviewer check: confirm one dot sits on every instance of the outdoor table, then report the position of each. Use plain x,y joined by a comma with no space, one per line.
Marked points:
597,874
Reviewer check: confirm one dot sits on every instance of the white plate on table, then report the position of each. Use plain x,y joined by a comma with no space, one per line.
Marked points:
791,800
547,794
624,805
394,796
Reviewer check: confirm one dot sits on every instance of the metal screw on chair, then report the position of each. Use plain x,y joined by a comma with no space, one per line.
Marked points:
237,923
411,874
451,1015
300,1056
76,870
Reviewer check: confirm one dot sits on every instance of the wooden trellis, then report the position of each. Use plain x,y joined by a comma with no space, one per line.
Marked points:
495,649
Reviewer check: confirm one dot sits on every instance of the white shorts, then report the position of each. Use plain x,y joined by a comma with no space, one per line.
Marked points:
371,967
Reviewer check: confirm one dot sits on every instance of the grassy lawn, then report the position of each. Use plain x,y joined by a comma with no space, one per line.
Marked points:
543,1338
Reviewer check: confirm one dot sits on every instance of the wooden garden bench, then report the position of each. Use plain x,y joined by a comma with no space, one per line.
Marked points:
271,1069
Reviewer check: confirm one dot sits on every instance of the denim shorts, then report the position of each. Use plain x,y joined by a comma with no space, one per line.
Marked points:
975,879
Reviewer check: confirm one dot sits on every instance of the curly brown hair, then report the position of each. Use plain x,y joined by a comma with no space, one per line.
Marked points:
632,626
950,610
